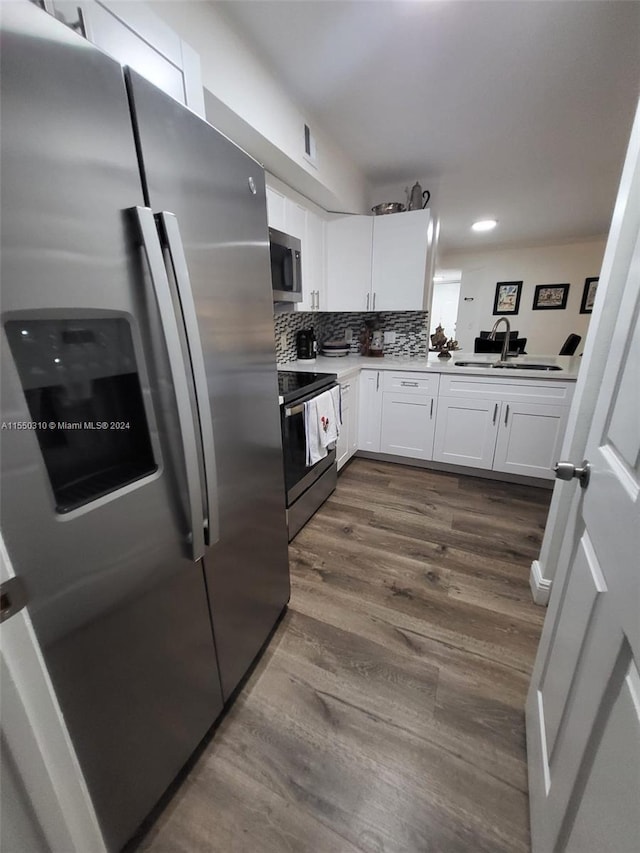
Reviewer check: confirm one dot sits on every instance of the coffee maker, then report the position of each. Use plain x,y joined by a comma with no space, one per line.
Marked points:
306,345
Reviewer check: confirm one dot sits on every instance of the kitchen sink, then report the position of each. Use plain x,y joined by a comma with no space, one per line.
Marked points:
527,366
474,363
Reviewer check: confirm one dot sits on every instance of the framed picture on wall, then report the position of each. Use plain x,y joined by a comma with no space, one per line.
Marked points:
550,296
507,298
588,295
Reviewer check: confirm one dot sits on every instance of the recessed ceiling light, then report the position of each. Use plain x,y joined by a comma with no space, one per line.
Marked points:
484,225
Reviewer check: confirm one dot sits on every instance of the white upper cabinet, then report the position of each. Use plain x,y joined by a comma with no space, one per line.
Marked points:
349,240
134,35
289,213
380,263
313,265
402,248
275,209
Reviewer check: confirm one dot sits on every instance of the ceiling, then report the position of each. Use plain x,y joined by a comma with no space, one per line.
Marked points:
520,111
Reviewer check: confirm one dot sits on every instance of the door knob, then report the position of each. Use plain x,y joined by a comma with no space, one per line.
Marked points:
567,471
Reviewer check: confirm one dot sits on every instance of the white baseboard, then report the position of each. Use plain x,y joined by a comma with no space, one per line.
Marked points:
540,586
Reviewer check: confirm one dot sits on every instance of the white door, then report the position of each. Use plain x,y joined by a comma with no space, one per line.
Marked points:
583,709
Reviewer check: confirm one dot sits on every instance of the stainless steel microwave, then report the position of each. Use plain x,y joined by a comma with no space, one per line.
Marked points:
286,267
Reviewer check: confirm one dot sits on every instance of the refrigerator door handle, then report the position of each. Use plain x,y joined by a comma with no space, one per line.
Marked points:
181,273
179,375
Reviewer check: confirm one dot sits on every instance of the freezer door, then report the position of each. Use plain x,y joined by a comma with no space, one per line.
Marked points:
96,509
217,195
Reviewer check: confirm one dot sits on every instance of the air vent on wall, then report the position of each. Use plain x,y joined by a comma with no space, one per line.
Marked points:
310,150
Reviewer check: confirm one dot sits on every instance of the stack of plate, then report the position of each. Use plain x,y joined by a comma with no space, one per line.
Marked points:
335,349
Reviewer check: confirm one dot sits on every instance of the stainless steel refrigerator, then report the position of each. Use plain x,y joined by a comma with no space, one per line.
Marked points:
142,485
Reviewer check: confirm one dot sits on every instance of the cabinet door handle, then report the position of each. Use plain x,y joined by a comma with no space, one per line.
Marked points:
374,302
378,381
495,414
410,384
317,300
367,301
313,300
506,415
345,387
431,412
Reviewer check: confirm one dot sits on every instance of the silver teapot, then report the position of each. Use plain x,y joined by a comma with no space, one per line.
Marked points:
415,197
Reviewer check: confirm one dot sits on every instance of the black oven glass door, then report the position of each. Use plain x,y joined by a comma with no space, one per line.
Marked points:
297,474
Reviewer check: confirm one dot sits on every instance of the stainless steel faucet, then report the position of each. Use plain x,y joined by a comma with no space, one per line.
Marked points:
492,336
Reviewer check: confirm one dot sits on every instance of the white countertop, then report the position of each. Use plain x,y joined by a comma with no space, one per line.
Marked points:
351,364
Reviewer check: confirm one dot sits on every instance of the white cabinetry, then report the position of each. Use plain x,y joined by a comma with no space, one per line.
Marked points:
409,407
380,263
402,249
313,265
370,410
348,438
529,438
134,35
349,242
275,209
511,426
466,431
290,215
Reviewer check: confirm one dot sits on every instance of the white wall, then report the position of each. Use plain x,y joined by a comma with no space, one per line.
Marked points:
545,331
444,307
247,103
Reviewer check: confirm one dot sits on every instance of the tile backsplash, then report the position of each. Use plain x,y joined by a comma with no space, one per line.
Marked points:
411,330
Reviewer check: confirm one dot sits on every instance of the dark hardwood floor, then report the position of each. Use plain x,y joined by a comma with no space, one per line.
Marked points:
387,712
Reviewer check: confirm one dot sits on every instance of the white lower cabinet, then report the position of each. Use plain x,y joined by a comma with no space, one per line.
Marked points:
348,438
515,426
370,410
504,425
466,431
529,439
409,407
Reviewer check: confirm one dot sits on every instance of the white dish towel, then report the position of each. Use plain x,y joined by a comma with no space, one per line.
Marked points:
322,424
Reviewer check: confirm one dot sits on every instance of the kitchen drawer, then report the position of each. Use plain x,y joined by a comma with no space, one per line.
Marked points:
549,391
407,382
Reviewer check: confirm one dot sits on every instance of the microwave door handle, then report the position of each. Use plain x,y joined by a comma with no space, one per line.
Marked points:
160,282
181,273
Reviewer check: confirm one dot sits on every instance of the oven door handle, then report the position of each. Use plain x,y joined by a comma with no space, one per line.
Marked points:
293,410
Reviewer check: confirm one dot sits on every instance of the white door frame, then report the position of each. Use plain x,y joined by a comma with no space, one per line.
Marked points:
34,733
553,791
622,235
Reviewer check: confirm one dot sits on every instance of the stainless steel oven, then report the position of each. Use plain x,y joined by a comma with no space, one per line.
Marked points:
307,487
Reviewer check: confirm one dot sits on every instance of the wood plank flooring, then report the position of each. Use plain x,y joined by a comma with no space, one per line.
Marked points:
386,716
